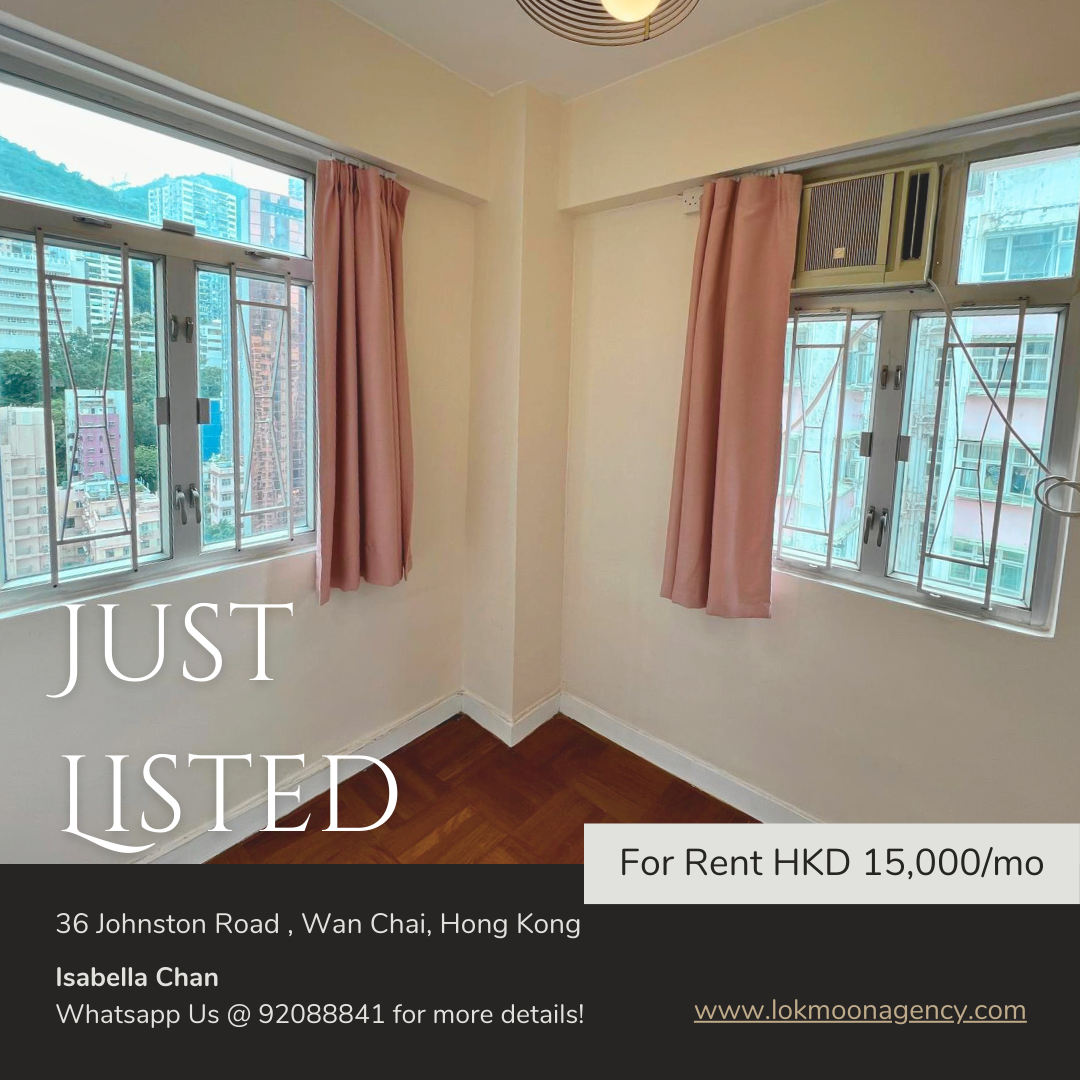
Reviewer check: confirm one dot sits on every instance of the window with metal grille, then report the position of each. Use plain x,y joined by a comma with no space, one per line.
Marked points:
900,477
824,413
156,375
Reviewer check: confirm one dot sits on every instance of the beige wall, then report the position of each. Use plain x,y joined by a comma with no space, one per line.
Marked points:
341,672
518,414
832,76
850,707
493,414
305,62
542,412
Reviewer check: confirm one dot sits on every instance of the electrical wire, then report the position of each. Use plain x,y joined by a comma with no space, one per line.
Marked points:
1050,483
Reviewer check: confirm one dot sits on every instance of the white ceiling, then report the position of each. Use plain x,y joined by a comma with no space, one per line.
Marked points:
494,44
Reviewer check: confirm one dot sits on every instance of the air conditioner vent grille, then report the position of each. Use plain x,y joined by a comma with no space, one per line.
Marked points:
915,215
844,223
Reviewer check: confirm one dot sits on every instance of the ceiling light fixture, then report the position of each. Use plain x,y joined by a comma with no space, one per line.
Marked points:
608,22
630,10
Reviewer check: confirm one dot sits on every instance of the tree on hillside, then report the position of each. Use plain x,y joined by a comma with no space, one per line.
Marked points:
216,534
146,466
88,354
59,439
20,377
142,295
210,381
25,173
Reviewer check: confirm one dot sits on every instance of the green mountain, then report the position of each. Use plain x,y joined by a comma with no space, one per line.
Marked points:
27,175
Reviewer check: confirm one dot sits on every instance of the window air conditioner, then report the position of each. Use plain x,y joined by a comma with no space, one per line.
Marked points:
867,231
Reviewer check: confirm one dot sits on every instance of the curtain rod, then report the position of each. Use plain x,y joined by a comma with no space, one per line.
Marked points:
54,57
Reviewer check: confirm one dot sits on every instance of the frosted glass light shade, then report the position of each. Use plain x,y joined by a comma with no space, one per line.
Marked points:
630,10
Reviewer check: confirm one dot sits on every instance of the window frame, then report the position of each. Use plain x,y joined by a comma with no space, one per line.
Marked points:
169,113
838,483
899,308
177,254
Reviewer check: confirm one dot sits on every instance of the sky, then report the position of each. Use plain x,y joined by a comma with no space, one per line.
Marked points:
110,151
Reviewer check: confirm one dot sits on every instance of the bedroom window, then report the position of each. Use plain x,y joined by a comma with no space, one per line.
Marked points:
156,353
901,477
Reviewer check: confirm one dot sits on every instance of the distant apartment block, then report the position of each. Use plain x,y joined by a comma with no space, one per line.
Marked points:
89,515
101,421
19,311
212,211
222,508
277,222
24,492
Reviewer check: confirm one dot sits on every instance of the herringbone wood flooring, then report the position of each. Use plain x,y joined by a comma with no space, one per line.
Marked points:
466,797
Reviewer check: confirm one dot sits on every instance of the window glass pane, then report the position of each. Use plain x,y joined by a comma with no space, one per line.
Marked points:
213,330
274,458
826,409
995,257
23,474
1020,217
302,373
92,432
62,154
969,467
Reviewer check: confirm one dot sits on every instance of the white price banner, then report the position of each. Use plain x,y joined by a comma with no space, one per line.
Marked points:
832,864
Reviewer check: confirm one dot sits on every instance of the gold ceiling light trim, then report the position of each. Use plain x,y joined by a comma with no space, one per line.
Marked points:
588,22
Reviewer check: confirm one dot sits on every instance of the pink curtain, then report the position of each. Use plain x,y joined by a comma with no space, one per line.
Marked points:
727,457
365,431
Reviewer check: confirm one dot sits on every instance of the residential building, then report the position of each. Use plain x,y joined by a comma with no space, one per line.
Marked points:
101,422
1020,218
101,510
212,211
220,483
24,492
277,222
19,310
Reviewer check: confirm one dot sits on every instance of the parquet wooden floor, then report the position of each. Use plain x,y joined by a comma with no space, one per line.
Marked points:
466,797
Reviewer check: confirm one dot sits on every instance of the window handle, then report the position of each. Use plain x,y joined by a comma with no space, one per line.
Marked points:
86,219
174,328
196,502
883,524
868,524
189,329
899,376
180,502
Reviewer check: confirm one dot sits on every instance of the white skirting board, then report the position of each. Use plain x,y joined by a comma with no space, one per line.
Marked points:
706,777
200,844
502,726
